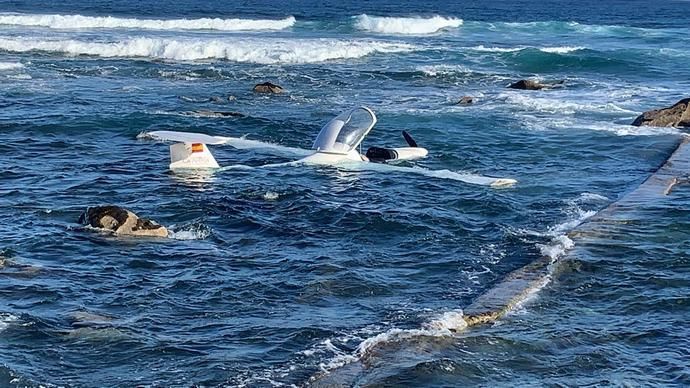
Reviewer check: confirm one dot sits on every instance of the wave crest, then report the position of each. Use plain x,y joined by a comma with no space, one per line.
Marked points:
10,66
261,51
6,319
412,26
552,50
89,22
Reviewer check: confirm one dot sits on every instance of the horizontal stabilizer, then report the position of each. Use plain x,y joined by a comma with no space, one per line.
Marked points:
186,137
191,155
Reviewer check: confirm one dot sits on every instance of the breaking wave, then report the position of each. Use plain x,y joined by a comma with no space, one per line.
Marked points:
560,106
441,70
10,66
572,27
561,50
89,22
6,320
412,26
195,231
444,325
261,51
552,50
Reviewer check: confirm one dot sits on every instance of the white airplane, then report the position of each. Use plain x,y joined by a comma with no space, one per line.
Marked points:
336,145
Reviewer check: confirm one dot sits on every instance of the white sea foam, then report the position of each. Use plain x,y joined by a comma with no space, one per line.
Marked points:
559,27
7,319
580,217
629,130
561,50
592,197
441,70
446,324
10,66
534,103
250,50
20,76
411,25
558,246
483,48
89,22
553,50
271,196
440,174
189,232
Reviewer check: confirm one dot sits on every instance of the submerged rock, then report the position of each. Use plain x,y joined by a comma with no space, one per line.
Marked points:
528,84
213,99
214,113
11,268
193,99
677,115
268,87
121,221
466,100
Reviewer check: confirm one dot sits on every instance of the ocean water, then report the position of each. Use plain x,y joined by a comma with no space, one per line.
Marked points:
280,276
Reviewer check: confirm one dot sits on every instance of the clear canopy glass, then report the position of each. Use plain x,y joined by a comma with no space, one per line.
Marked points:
345,132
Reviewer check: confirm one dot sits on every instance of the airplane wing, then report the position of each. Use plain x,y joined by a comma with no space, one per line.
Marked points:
190,150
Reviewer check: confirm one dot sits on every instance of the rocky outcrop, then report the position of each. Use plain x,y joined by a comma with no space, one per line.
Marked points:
466,100
677,115
528,84
121,221
268,87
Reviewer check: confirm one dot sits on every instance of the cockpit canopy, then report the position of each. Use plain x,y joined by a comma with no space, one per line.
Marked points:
345,132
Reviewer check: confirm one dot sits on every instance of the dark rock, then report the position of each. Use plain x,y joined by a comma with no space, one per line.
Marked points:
677,115
268,87
214,113
528,84
121,221
217,100
466,100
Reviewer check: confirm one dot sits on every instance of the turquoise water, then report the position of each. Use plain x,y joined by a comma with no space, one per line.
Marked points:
275,275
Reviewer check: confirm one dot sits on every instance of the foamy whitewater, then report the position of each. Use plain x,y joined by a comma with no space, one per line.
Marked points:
10,66
554,50
250,50
286,274
6,320
414,26
89,22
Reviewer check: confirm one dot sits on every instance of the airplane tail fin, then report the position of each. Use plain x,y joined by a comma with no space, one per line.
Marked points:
191,155
410,141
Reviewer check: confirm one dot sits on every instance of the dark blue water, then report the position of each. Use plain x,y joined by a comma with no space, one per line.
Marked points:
274,275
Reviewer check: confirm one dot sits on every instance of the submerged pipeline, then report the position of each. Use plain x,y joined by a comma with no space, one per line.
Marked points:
516,289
